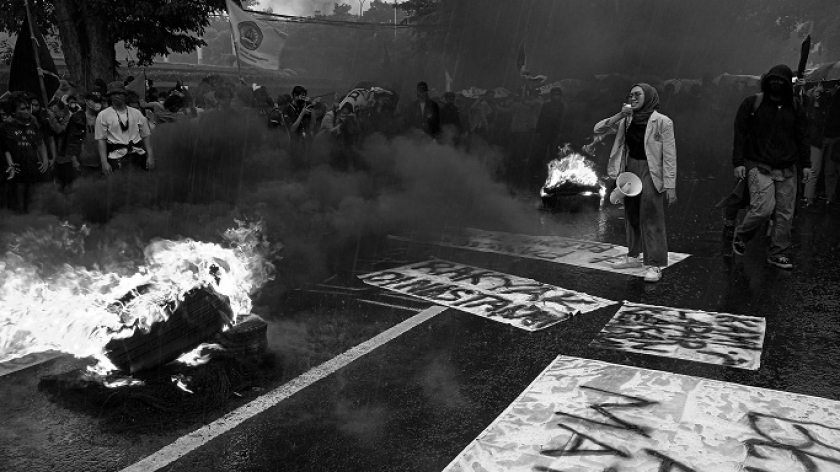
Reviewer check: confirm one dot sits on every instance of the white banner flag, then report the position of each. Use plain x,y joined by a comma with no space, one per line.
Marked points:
257,42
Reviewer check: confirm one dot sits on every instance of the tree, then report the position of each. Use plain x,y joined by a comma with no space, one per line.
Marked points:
89,29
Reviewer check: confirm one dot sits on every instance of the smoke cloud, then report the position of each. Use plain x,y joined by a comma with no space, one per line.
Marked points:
224,167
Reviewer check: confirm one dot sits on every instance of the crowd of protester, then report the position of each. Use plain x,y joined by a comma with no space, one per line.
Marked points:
91,134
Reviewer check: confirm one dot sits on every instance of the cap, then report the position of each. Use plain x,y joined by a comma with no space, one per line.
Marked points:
116,87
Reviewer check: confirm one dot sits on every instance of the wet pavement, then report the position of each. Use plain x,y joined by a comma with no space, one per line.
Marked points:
414,403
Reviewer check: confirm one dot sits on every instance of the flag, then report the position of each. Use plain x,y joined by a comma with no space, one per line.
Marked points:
521,64
138,86
256,42
448,81
23,74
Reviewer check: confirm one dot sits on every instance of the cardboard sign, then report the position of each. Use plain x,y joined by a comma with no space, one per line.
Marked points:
589,254
585,415
712,338
520,302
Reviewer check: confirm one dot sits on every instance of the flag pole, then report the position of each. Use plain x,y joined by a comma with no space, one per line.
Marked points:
235,49
35,51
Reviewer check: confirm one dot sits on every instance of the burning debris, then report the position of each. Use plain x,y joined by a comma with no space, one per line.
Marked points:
186,293
571,174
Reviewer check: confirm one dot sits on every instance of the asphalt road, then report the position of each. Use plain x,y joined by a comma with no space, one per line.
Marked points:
413,403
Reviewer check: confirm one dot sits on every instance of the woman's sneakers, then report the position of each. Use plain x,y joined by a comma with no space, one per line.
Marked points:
739,247
782,262
629,263
653,274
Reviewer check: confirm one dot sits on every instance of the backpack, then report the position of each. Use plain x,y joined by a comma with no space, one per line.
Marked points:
759,97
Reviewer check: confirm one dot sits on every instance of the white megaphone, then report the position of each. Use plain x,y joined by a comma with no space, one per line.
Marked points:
627,184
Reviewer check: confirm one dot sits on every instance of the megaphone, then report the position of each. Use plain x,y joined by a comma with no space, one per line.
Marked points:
627,184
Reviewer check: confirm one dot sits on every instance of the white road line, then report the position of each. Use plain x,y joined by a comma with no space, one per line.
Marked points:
407,308
186,444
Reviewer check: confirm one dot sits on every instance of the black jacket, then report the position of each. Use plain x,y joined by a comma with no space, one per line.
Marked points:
774,134
451,116
428,121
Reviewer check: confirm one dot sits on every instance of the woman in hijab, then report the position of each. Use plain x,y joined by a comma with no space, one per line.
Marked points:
645,146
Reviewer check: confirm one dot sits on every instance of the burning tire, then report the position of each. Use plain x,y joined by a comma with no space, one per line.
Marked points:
200,315
247,337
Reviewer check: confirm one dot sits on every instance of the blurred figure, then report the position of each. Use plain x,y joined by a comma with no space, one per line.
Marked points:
89,158
24,152
547,132
825,131
46,121
452,126
771,137
69,142
644,145
342,132
480,114
523,120
424,114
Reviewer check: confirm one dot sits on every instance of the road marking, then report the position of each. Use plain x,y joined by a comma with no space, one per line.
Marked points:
27,361
186,444
400,307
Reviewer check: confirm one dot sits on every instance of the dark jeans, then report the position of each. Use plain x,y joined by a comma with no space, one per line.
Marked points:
65,175
18,195
769,197
644,217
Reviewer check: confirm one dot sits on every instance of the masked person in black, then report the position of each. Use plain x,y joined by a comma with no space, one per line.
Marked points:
771,138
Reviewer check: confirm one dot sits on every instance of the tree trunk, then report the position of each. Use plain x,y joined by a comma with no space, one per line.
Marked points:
87,46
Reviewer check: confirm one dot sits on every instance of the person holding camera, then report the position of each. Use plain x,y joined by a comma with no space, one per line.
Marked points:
298,116
644,145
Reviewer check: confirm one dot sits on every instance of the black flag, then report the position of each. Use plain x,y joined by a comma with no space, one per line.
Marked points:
23,74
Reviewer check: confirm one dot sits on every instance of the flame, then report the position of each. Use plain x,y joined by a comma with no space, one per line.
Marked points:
200,355
71,308
573,168
180,381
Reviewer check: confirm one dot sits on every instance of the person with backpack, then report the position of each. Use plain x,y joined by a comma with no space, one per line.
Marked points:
771,138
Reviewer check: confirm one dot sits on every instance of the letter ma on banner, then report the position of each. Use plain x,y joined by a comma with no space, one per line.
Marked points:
516,301
586,415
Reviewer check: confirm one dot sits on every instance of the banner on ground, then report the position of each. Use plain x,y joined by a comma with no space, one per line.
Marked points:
585,415
516,301
257,43
589,254
711,338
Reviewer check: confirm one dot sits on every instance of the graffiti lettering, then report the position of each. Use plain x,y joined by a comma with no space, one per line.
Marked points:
667,464
714,338
513,300
805,448
582,445
612,420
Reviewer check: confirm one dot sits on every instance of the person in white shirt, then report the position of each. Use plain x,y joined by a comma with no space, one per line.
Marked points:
122,133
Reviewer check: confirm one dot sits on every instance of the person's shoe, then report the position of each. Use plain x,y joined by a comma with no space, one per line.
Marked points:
728,232
739,247
653,274
628,263
782,262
